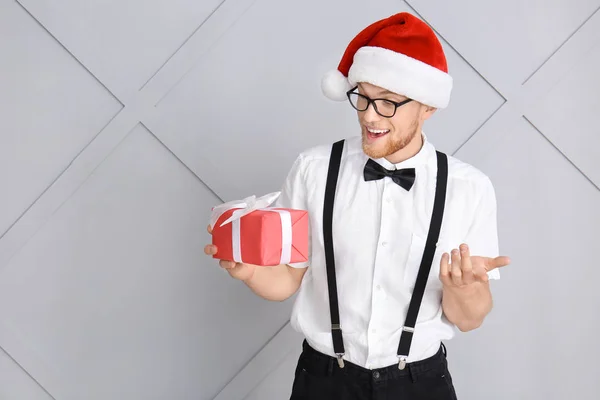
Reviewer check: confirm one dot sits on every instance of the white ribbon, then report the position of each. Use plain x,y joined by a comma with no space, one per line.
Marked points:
286,236
245,207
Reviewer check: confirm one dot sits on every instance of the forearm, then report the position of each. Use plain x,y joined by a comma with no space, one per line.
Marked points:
467,307
275,283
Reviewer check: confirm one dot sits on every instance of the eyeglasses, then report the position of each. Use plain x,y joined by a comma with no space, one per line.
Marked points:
384,107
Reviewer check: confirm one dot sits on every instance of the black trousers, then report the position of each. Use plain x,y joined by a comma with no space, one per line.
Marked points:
318,377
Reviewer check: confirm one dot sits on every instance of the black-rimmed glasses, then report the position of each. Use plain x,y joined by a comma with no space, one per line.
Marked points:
384,107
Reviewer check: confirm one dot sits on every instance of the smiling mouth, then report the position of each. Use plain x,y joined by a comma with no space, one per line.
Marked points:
376,133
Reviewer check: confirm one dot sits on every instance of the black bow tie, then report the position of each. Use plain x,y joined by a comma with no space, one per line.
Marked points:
403,177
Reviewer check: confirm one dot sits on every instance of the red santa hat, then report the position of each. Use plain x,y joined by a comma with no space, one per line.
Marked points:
401,54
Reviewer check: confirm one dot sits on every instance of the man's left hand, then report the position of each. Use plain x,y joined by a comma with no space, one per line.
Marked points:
466,269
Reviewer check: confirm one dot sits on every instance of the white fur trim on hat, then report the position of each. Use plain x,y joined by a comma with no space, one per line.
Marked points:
401,74
335,85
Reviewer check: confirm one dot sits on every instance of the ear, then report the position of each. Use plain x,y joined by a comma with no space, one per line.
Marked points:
427,112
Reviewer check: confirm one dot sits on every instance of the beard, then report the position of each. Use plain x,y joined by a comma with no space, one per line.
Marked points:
389,145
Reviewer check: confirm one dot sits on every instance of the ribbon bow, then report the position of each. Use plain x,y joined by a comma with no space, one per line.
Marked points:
245,206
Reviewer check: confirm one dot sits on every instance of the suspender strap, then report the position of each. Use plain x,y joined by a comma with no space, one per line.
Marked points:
434,232
332,178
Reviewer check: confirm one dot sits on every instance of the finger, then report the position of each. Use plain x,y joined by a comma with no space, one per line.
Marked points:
498,262
445,270
227,264
210,249
466,265
209,229
456,270
480,274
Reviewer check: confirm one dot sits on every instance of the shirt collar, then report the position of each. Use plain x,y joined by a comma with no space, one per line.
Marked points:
419,159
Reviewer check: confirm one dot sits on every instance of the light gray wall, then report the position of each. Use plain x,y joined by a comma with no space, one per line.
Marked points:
123,122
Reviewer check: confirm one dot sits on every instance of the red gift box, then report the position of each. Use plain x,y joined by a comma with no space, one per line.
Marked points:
251,233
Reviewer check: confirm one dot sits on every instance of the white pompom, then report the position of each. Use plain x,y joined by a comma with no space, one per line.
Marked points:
335,85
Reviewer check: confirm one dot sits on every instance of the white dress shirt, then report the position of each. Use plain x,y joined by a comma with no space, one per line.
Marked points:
379,234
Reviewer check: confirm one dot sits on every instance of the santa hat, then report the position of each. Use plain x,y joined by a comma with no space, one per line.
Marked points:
401,54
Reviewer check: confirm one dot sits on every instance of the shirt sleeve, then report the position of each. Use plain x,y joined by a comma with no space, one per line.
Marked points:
482,236
293,195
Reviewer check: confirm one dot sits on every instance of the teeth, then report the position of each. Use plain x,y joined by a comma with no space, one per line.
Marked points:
376,131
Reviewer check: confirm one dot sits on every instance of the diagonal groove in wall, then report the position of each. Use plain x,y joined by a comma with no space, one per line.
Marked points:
561,46
183,44
414,10
67,197
479,128
27,373
560,151
251,359
182,163
180,78
70,53
58,176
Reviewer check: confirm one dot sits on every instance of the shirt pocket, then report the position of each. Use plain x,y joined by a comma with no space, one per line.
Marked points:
415,256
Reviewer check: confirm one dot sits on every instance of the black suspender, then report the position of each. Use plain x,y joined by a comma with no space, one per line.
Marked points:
332,177
430,245
426,261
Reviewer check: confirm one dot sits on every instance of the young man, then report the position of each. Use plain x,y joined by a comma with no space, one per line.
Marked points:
403,238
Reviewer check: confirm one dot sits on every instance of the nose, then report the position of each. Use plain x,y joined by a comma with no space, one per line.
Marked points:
370,115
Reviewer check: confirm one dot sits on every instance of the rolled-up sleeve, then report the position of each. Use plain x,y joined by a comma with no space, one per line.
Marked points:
293,195
482,236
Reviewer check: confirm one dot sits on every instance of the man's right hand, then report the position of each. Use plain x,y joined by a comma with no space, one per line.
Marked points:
237,270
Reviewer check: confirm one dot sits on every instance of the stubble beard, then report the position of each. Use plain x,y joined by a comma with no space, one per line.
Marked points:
392,144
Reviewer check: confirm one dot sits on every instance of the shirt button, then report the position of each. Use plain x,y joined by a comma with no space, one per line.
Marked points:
376,375
384,244
388,200
378,287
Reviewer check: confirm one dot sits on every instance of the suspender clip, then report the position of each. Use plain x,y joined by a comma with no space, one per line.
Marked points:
402,362
340,360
